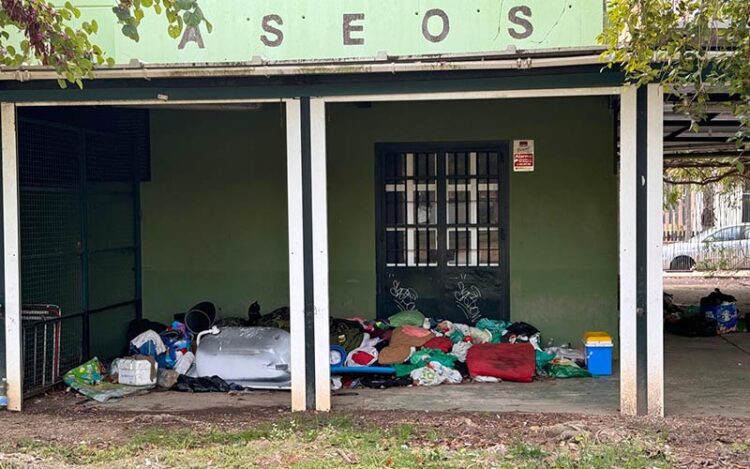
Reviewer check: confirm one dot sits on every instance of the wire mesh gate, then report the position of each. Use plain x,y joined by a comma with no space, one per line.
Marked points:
80,246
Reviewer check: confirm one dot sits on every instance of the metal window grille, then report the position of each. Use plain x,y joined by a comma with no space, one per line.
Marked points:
471,209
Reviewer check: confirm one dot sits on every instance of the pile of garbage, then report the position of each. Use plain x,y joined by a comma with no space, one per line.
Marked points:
199,352
158,356
411,349
716,314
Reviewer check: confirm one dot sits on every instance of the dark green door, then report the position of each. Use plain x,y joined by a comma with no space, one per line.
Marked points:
442,230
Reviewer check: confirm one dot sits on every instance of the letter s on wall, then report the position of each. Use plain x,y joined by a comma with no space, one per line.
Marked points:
513,17
267,27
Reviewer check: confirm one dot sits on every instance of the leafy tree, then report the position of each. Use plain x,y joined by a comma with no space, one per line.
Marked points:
693,47
57,36
697,49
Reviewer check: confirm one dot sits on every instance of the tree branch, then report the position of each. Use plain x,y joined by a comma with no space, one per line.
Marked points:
703,164
708,179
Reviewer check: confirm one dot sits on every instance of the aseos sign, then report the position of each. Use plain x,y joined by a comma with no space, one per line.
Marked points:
331,30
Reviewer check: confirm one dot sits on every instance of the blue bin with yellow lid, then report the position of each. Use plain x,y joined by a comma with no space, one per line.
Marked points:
598,347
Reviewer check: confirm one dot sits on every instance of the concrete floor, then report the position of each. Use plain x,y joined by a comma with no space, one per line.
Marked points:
708,375
705,376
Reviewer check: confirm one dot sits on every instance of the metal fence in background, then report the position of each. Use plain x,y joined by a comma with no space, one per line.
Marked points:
80,246
708,228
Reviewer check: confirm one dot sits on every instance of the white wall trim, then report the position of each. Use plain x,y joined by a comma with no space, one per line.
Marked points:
11,236
448,62
296,252
320,253
627,236
446,96
654,240
473,95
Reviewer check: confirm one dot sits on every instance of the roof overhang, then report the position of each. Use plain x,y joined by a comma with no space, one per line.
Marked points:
507,60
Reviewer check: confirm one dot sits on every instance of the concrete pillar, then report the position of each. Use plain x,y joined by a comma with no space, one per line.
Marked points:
654,240
308,253
11,236
296,250
319,189
627,241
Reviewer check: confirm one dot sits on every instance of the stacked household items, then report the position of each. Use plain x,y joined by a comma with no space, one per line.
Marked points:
200,352
170,357
411,349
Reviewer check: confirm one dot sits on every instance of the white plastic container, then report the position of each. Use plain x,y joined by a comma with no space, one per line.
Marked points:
136,371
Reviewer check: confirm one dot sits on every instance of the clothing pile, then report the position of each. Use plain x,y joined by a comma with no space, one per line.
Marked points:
412,349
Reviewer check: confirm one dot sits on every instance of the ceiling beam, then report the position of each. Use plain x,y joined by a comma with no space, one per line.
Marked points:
686,127
713,123
695,139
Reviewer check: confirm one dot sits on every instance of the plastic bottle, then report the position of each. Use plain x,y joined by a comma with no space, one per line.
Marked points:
3,394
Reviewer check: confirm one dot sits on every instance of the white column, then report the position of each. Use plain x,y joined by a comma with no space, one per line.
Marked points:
627,224
11,221
296,251
320,253
654,239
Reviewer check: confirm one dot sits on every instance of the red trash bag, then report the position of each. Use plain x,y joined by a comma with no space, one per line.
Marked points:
509,362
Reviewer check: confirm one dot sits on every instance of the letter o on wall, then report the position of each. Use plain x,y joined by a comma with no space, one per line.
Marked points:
426,22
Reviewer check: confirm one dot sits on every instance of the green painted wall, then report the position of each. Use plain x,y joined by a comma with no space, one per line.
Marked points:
563,216
395,26
214,223
214,214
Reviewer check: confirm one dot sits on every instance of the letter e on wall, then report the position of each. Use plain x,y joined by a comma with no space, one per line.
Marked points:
349,28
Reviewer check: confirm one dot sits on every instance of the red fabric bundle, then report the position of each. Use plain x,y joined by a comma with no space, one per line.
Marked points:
443,344
510,362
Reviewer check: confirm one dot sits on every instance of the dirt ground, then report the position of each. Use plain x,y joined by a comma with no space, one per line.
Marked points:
62,418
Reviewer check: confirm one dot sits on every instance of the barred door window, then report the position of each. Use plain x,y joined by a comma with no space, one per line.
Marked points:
440,218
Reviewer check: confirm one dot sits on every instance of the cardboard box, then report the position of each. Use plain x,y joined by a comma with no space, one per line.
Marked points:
137,371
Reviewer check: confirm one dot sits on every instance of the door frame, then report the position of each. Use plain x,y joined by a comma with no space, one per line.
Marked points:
503,149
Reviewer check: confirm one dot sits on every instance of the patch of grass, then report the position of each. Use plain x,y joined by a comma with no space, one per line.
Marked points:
432,435
404,432
326,441
81,454
625,454
525,451
740,447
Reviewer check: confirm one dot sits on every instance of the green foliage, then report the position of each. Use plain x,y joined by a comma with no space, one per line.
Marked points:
693,47
56,36
178,13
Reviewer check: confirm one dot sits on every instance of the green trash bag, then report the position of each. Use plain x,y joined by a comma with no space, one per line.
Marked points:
405,369
456,336
564,368
542,359
425,356
495,328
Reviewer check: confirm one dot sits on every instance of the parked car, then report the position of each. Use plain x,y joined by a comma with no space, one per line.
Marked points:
726,247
